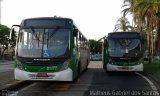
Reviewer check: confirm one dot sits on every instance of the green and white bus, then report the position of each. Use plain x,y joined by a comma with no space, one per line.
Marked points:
123,51
49,49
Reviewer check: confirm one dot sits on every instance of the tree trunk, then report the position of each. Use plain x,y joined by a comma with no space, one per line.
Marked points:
158,38
150,37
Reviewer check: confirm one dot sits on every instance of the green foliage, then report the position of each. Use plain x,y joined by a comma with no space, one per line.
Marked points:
4,39
4,34
122,24
146,17
153,69
95,46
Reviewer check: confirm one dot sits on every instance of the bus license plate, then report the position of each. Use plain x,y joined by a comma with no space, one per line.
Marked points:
42,75
125,68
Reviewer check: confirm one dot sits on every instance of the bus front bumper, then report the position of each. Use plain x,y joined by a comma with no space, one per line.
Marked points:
111,67
65,75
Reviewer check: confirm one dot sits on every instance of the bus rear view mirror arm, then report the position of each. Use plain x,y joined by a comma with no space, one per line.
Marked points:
12,31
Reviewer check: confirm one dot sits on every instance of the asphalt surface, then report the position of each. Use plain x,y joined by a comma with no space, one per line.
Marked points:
93,82
6,74
6,66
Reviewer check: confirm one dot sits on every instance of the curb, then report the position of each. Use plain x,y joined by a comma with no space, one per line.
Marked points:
152,78
14,87
6,63
12,84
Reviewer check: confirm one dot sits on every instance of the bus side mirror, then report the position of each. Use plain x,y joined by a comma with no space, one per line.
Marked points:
105,43
12,31
75,32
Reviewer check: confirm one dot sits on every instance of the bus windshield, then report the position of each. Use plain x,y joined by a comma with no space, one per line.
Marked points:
124,48
43,43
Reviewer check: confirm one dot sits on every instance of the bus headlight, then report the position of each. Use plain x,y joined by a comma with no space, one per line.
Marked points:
65,65
110,61
19,65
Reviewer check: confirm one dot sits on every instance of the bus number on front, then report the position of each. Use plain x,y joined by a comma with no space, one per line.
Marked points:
52,68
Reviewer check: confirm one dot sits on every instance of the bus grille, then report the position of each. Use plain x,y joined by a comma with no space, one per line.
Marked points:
40,62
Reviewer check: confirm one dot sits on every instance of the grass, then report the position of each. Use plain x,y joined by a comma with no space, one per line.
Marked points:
153,69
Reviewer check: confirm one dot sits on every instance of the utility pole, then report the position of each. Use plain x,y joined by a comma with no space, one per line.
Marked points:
0,23
0,12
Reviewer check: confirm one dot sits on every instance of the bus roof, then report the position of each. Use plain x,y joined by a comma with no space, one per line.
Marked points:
45,18
59,21
47,22
117,35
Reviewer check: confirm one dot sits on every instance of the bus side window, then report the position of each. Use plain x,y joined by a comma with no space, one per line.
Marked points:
75,42
80,41
84,43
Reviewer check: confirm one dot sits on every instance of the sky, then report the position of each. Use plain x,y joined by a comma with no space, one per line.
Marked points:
95,18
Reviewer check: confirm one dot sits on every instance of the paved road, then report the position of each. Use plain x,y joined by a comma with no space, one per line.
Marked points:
6,73
94,82
6,66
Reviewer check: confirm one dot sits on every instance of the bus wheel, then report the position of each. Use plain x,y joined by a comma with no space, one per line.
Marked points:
105,67
87,66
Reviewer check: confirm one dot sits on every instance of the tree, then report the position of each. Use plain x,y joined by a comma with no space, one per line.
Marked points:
95,46
145,16
122,24
4,39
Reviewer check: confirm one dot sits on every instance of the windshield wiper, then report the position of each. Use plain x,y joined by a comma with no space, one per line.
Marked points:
53,33
34,33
